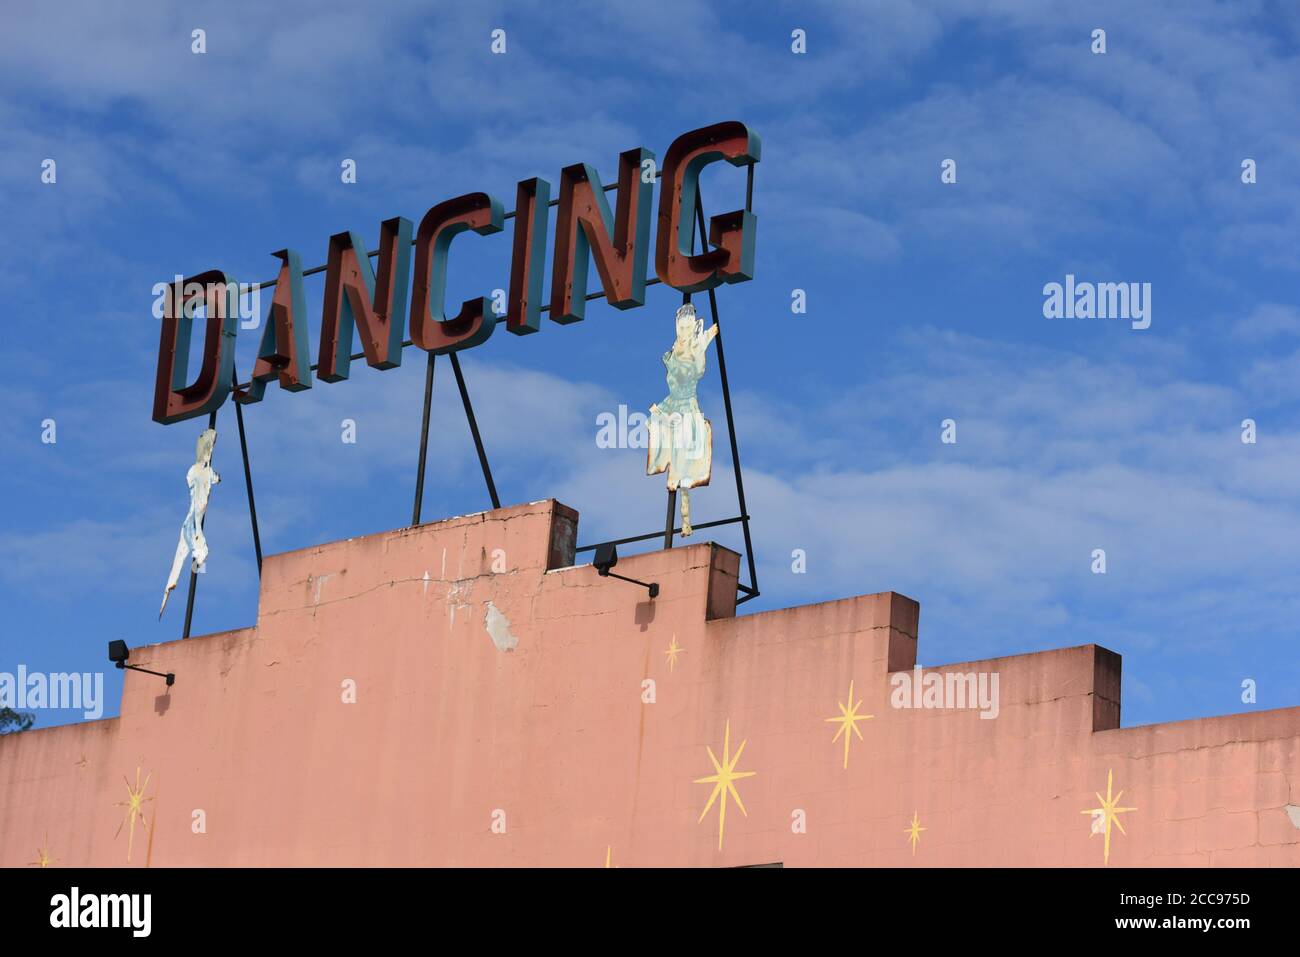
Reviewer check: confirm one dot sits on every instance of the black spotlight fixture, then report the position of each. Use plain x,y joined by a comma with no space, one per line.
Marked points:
118,653
607,557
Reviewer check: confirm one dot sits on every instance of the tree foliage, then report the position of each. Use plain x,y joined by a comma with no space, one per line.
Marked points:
11,720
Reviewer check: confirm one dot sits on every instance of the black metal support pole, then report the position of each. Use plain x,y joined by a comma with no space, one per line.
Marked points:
473,428
726,402
189,602
170,676
248,484
424,441
194,578
649,535
608,187
672,492
668,522
653,587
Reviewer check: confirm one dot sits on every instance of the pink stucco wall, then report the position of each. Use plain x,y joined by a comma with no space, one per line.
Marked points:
510,710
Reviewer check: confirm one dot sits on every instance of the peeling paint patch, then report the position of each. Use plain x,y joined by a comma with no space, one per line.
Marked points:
1293,812
498,629
319,582
426,581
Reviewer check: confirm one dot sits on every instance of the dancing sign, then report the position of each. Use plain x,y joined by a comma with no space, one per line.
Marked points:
375,304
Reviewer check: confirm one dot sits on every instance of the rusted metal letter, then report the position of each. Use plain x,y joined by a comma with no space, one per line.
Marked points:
354,295
731,234
284,352
175,398
584,229
430,329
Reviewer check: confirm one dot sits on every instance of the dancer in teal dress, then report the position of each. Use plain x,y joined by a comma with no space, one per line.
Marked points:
681,438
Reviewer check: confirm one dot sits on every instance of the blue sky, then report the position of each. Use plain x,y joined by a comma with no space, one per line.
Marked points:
924,303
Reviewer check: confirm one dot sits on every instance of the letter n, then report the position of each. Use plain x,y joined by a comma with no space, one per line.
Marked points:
430,329
176,399
284,352
353,295
731,234
584,229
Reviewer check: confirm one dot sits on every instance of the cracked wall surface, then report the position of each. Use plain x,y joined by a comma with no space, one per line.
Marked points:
460,694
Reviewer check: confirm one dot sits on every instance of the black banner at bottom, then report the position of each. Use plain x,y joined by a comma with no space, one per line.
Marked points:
332,906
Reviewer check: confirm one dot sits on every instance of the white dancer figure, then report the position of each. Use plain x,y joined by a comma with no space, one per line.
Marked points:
200,479
681,439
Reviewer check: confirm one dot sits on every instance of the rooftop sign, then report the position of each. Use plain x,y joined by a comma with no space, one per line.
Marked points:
375,304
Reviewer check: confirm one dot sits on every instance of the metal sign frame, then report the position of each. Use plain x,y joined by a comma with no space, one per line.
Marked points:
698,230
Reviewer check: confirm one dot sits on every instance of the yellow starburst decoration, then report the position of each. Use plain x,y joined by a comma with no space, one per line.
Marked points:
1110,812
723,780
673,651
914,831
848,719
43,858
134,804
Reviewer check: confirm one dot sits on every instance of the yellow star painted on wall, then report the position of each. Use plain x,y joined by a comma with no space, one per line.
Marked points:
723,780
43,858
1110,812
134,804
914,831
848,719
673,651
